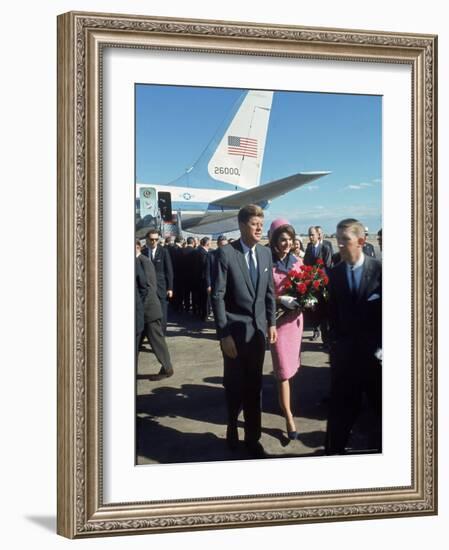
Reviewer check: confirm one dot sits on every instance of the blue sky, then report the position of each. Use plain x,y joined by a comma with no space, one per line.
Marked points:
340,133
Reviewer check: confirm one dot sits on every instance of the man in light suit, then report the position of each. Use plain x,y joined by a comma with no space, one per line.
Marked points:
355,317
244,309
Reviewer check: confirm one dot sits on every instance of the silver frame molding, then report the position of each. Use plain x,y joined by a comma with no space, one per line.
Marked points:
81,38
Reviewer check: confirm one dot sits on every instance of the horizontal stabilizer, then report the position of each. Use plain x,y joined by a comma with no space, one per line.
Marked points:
218,221
268,191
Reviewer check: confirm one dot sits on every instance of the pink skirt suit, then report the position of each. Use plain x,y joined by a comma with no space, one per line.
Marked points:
285,352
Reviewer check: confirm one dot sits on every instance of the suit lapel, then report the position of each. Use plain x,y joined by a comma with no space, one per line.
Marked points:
260,267
366,275
244,267
344,281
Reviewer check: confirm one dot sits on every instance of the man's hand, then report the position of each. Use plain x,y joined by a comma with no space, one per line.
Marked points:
169,293
228,347
272,335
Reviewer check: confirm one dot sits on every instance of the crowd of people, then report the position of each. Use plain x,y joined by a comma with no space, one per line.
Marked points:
241,284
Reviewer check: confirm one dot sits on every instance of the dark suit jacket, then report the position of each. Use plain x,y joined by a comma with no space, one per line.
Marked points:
355,326
152,304
187,264
164,270
240,310
210,268
141,294
200,265
324,252
329,246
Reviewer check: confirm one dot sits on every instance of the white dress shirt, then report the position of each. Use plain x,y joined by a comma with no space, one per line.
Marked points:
246,250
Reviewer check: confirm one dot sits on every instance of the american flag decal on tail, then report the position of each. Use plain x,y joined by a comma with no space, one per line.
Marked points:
245,147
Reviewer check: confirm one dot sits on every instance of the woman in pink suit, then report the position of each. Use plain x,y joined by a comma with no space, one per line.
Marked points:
285,352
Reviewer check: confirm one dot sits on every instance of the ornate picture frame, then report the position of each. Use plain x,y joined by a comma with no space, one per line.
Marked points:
82,39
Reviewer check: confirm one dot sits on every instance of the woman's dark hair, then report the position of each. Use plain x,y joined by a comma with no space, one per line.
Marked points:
274,237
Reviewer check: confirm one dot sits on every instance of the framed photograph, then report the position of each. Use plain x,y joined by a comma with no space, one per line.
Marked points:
166,129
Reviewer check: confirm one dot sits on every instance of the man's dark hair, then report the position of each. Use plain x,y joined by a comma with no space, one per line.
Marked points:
248,211
354,226
151,232
204,241
190,240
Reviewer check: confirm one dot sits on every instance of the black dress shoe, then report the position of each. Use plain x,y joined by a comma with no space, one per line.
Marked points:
315,335
232,437
256,450
163,373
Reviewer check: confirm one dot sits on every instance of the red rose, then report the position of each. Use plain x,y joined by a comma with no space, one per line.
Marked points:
319,261
302,288
288,284
316,284
325,279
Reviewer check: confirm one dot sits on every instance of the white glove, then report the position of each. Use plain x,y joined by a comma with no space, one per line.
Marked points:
288,301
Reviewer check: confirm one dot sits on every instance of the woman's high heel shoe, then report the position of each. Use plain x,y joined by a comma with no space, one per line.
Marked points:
293,434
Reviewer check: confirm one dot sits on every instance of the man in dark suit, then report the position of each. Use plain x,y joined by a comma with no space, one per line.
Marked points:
355,316
201,295
244,308
141,294
160,257
317,249
211,259
368,248
324,241
152,316
176,254
187,269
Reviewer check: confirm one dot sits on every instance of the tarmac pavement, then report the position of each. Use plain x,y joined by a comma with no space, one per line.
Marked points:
183,418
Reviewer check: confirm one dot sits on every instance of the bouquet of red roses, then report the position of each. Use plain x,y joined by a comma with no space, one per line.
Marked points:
306,285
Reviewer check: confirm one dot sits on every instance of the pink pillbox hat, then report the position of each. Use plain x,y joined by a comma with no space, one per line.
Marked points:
279,222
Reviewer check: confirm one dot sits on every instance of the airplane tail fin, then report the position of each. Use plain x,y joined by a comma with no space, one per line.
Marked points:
238,158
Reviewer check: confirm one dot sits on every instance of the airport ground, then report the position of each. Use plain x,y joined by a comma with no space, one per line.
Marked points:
183,418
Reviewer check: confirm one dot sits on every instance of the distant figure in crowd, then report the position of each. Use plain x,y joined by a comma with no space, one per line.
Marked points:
368,248
379,239
169,241
176,255
324,241
160,257
188,273
211,262
153,316
317,249
285,352
201,296
245,312
355,316
298,247
141,294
